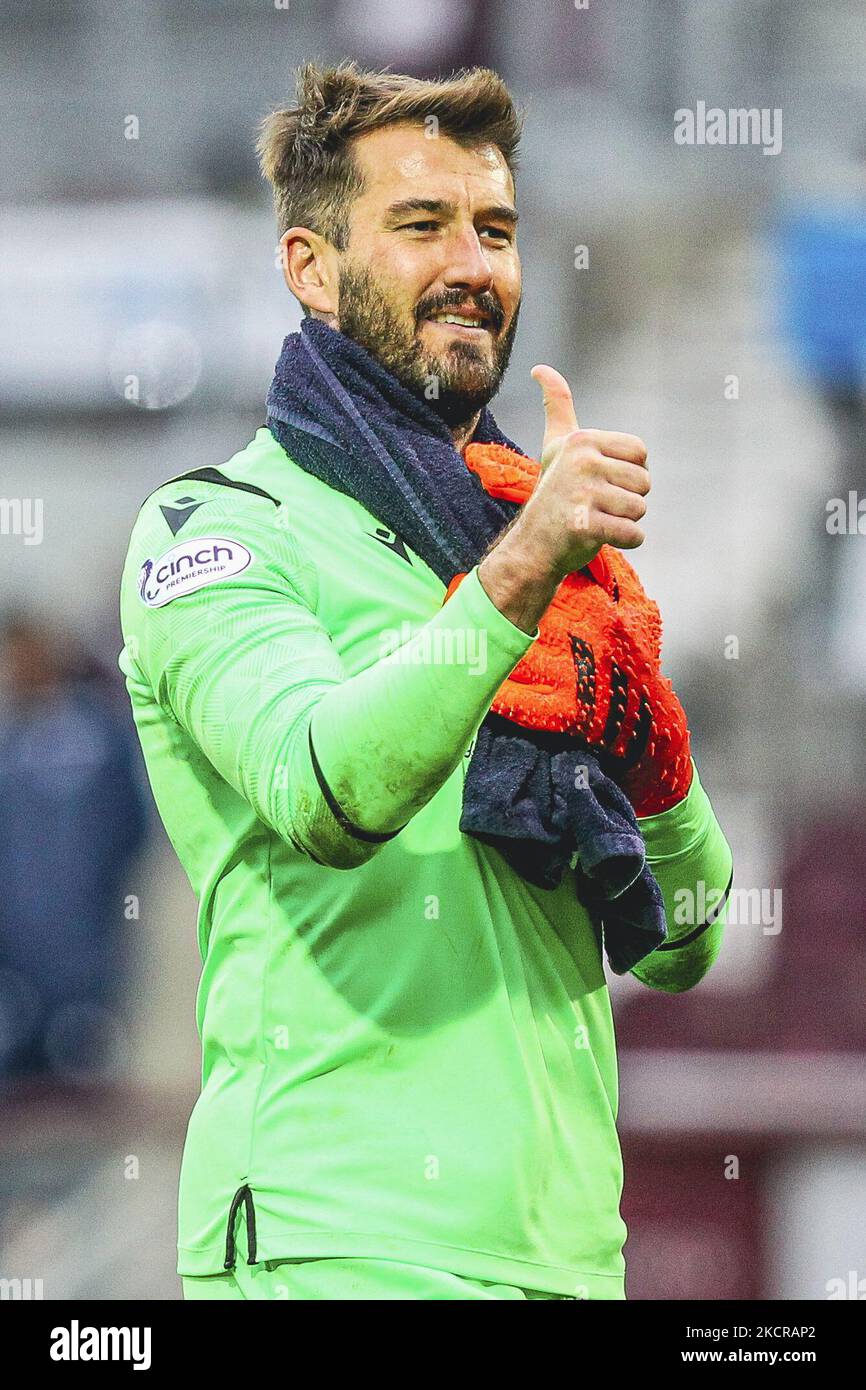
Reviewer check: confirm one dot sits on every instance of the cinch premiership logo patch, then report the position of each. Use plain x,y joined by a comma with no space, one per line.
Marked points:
188,567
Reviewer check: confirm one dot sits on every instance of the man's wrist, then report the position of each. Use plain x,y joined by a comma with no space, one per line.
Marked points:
517,583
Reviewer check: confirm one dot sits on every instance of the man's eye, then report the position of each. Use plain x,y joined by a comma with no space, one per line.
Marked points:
500,233
420,226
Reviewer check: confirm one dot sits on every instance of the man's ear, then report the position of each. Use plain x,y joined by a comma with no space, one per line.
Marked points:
310,269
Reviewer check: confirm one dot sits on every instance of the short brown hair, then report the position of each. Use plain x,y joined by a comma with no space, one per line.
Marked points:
305,150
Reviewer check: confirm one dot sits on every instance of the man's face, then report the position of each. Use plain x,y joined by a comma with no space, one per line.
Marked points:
433,233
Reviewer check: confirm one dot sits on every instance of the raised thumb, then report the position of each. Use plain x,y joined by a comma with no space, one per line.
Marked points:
559,415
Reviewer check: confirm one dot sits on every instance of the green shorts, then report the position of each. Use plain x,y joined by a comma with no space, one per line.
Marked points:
347,1279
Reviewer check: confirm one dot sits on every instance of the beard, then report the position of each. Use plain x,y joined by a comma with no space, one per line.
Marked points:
456,383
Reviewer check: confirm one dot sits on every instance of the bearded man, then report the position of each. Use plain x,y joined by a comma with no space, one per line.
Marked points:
399,695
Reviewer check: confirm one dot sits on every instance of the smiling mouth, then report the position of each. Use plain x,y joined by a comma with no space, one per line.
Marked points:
465,325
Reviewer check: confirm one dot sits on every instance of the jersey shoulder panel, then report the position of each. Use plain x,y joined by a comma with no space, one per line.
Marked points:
209,524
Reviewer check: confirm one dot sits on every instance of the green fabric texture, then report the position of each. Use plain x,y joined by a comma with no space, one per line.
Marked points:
407,1051
676,841
336,1280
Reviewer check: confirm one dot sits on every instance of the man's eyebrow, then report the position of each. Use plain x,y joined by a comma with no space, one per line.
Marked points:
499,211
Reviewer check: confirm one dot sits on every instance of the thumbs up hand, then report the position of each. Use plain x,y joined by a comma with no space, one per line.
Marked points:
592,487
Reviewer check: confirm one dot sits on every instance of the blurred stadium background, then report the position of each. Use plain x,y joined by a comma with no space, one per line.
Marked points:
719,310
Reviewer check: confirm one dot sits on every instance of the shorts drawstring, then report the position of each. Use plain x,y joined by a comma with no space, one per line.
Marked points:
244,1195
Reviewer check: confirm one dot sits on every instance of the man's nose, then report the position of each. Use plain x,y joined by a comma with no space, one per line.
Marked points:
467,265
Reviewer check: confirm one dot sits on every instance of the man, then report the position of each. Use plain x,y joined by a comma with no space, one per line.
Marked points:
409,1078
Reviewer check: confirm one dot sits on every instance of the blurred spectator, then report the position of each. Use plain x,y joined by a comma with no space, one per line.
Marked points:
71,818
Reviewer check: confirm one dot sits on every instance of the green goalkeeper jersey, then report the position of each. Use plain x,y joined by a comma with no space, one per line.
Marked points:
407,1050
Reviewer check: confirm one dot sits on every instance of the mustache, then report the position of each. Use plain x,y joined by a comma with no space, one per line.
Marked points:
486,304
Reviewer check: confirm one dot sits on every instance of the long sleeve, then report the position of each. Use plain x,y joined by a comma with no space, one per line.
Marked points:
693,864
335,764
393,734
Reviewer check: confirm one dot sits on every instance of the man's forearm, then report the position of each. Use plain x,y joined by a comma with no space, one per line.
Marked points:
382,743
518,582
